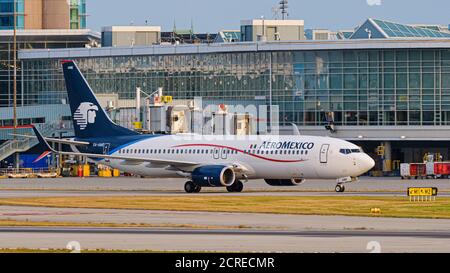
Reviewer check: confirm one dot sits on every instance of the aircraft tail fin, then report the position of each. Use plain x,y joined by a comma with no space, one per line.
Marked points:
89,118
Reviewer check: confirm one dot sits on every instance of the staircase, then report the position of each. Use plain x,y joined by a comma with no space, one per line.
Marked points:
13,146
16,146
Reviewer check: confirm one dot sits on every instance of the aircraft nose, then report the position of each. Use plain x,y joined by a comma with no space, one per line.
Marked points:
367,163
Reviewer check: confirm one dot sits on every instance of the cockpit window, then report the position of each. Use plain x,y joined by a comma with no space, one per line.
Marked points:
349,151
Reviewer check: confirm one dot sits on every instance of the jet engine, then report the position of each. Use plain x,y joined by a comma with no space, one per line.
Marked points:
213,176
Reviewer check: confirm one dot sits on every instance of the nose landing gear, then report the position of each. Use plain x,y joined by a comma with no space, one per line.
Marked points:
339,188
341,181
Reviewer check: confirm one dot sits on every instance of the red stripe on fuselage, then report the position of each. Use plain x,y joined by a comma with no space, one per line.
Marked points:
238,150
18,127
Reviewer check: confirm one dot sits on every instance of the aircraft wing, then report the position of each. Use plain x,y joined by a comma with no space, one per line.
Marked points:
127,159
57,140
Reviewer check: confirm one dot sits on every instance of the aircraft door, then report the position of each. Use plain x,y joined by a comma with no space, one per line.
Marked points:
324,153
216,153
224,153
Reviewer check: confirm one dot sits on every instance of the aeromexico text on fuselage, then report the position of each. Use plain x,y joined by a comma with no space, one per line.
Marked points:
98,145
285,145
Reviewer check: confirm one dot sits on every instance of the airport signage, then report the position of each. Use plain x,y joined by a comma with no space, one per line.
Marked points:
422,191
422,194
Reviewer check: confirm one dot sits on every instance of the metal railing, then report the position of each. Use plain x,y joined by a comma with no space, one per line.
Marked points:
14,146
22,145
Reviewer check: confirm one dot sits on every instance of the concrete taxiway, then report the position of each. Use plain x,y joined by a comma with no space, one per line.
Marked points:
367,186
217,231
224,240
237,232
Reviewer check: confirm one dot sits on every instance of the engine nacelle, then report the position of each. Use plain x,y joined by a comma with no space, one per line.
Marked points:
214,176
285,182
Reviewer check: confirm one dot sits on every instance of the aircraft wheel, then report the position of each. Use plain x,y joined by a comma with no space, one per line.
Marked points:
197,189
339,188
237,186
190,187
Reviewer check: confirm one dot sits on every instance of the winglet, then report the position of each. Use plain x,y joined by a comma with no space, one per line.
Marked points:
296,130
66,61
44,144
42,156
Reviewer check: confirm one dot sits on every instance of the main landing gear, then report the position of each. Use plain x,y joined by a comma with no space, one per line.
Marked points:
191,187
237,186
341,181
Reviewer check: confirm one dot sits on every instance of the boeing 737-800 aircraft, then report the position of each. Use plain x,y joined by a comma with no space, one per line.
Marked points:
206,161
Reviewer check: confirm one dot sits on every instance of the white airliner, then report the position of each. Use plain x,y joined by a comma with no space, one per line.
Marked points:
206,161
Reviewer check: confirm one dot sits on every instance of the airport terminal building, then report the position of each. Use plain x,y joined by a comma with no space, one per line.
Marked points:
391,91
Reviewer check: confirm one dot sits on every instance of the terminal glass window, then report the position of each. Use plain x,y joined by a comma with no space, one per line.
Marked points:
376,87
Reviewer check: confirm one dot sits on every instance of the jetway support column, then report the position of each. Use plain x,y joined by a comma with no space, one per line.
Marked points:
17,160
387,159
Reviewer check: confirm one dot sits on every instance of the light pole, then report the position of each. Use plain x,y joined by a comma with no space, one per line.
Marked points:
263,28
15,78
15,68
